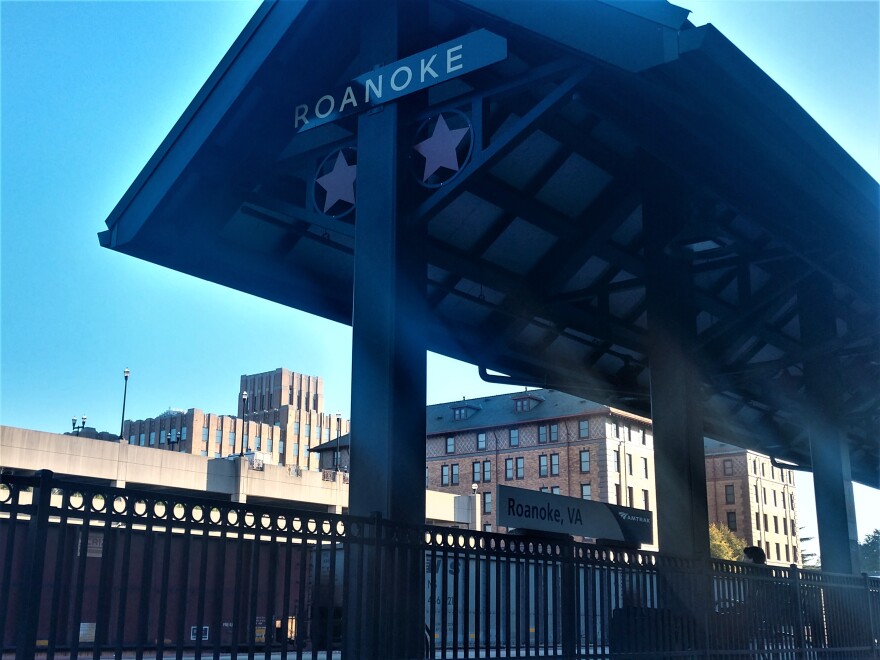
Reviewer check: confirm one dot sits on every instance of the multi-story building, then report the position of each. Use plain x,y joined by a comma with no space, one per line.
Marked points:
540,440
554,442
755,498
280,416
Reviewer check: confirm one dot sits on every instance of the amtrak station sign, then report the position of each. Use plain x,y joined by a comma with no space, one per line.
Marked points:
414,73
527,509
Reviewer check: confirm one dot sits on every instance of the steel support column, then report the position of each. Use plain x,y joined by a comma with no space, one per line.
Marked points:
832,477
676,404
388,374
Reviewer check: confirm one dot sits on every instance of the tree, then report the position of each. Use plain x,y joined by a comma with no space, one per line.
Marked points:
869,553
809,559
724,544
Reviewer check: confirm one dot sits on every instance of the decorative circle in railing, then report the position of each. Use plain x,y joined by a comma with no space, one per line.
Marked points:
340,528
179,511
197,514
450,540
312,525
232,517
438,539
5,494
281,523
98,502
325,526
249,520
459,542
354,529
502,544
472,542
120,504
159,509
140,508
75,500
215,515
266,521
297,524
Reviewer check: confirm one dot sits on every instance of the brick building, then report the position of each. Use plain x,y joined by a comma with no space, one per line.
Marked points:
281,418
755,498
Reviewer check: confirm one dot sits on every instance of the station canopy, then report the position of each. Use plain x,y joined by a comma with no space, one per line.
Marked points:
535,251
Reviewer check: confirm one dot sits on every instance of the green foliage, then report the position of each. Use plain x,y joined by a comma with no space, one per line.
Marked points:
869,552
724,544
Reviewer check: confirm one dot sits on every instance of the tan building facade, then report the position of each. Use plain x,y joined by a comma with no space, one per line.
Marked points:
755,498
280,419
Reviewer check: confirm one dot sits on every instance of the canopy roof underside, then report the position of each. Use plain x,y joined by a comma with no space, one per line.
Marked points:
535,252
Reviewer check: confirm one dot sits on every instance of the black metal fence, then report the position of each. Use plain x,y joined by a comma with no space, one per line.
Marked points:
94,571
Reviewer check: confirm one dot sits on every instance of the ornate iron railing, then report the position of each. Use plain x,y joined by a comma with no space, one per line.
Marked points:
93,571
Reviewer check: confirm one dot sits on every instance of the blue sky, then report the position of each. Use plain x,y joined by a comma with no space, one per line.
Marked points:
90,89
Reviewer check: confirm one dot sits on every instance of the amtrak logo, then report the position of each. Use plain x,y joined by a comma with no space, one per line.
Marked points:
334,188
443,146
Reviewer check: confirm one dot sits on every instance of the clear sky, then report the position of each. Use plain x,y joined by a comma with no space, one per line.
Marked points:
90,89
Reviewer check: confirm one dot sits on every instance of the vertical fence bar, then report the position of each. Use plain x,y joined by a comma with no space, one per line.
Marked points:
124,578
203,585
10,526
58,578
183,582
35,557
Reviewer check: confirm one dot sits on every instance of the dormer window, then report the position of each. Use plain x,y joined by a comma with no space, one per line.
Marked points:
525,402
462,410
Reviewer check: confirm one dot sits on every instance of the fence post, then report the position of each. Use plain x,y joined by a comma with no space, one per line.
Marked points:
33,572
799,607
872,615
569,603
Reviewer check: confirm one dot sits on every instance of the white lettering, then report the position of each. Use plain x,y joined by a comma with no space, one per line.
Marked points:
397,87
376,90
450,59
348,98
300,115
318,113
426,67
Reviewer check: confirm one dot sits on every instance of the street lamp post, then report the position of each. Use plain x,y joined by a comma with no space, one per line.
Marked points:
124,396
244,398
338,433
78,429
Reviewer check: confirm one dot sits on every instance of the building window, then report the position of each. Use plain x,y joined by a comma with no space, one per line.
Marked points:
454,474
152,438
204,452
731,520
542,465
554,432
645,467
776,524
478,471
521,405
450,445
764,474
544,489
487,471
758,521
629,464
787,553
584,428
520,467
217,454
162,437
204,434
629,496
296,429
554,465
775,503
586,492
615,429
542,435
131,439
617,460
757,499
231,438
481,440
308,430
728,467
766,524
487,502
764,491
646,501
444,475
555,490
585,460
218,435
258,444
508,468
142,440
514,437
729,496
617,494
458,414
778,554
785,526
269,444
183,433
487,527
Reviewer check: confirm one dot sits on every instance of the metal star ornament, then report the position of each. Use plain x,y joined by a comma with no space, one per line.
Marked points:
335,183
445,150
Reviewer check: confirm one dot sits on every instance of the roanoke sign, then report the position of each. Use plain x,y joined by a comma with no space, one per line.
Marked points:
430,67
527,509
